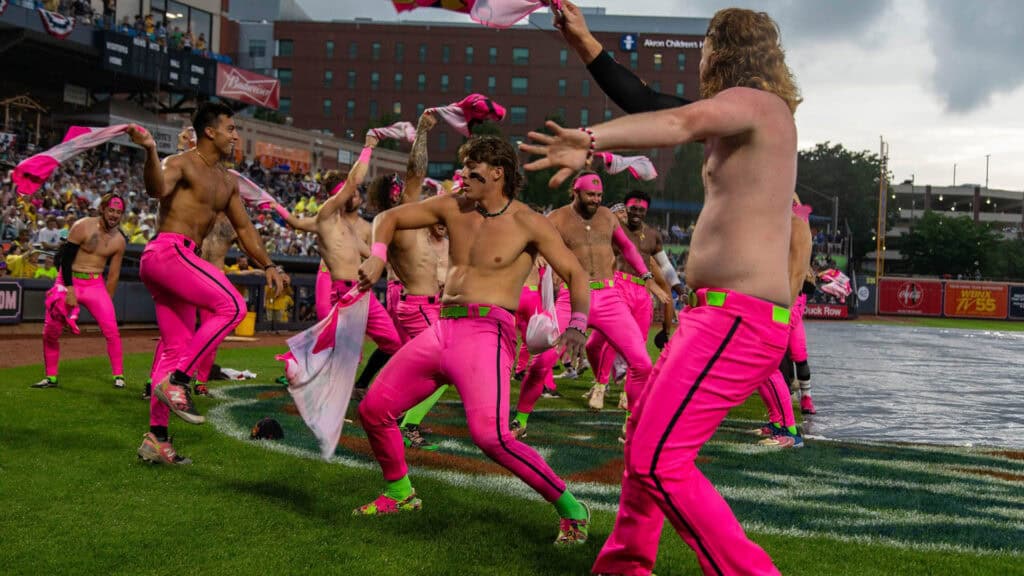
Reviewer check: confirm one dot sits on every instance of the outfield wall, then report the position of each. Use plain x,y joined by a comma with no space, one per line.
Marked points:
950,299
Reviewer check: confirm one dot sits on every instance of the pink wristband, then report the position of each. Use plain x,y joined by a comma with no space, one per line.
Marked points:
380,250
578,320
364,156
282,211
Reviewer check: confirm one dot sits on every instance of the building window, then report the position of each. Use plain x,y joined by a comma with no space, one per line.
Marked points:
634,59
444,82
585,87
373,109
328,78
467,84
492,55
423,53
521,56
353,50
520,86
257,48
656,86
657,62
681,60
612,54
584,116
330,48
442,140
563,57
680,89
351,79
517,115
285,47
560,113
396,107
398,80
420,107
350,109
375,51
374,80
285,106
285,76
327,107
561,86
172,13
492,84
446,54
399,52
607,114
421,82
469,54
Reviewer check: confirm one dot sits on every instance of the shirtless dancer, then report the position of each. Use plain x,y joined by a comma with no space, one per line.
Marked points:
193,188
590,230
733,337
494,240
92,243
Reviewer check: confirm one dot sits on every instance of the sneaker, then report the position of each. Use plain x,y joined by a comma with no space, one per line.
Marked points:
568,374
768,430
623,402
550,394
179,399
519,375
387,505
807,405
785,439
413,438
201,389
119,382
45,383
282,380
518,430
147,392
572,532
596,401
157,452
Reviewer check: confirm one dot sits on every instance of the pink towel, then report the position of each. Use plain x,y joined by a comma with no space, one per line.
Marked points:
469,112
639,166
57,308
492,13
402,131
803,211
252,194
30,173
542,331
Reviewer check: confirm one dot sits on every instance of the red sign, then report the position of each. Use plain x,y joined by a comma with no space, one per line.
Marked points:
910,296
976,300
248,87
826,311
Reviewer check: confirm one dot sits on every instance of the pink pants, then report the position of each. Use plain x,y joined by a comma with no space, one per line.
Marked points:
92,295
529,304
607,310
181,282
638,300
797,337
322,292
415,314
379,326
775,393
475,354
714,361
391,296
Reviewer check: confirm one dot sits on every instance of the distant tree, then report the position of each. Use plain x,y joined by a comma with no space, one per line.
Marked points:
938,245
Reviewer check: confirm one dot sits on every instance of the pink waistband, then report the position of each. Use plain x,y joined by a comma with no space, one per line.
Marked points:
173,238
346,284
415,299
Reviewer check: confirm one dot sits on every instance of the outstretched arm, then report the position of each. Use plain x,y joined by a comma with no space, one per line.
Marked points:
416,169
160,180
249,241
352,183
307,224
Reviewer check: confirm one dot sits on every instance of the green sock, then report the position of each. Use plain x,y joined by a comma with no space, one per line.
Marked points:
792,430
569,507
521,417
116,376
776,425
417,413
149,381
51,378
399,489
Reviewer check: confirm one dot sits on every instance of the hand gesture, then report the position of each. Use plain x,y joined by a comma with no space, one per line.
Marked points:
574,344
659,293
571,23
371,141
141,136
70,300
276,280
566,149
369,272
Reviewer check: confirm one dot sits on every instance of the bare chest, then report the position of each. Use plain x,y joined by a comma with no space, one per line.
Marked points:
579,234
490,243
101,244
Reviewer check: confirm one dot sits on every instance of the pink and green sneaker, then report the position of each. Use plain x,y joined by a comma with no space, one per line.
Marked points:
384,504
572,532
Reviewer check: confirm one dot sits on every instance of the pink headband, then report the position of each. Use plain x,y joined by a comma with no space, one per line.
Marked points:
636,202
338,188
588,183
116,203
396,190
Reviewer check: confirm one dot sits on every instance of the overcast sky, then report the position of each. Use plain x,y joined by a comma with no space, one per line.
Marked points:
941,80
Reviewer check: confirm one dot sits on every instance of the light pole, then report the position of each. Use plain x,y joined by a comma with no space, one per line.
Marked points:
911,198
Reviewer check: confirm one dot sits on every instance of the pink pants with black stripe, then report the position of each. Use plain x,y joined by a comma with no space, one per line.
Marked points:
475,355
638,300
714,361
93,296
322,292
181,282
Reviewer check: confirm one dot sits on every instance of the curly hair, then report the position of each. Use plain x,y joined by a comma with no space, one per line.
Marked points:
494,151
331,179
384,191
746,51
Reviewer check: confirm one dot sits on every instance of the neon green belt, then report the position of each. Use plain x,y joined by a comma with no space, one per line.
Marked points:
597,284
84,275
458,311
634,279
717,299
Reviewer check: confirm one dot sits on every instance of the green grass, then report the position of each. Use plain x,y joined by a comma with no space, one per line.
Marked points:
957,323
76,501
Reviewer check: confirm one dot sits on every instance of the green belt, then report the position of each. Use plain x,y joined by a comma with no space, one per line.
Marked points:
457,311
717,299
531,287
634,279
84,275
597,284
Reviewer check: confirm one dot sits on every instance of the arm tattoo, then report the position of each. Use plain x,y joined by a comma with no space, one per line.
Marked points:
417,165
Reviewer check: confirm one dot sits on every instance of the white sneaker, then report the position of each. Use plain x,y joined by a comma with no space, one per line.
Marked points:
596,401
623,403
568,374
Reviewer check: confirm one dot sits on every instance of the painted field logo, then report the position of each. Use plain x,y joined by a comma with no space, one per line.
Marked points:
910,295
904,496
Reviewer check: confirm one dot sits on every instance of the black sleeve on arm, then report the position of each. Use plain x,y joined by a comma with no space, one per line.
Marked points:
626,90
66,256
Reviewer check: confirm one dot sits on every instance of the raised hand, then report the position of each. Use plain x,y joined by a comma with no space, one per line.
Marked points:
141,136
565,149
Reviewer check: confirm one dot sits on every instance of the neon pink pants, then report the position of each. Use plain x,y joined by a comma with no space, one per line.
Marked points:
775,393
607,310
391,296
415,314
379,326
714,361
797,336
638,300
322,292
92,295
529,304
475,355
181,282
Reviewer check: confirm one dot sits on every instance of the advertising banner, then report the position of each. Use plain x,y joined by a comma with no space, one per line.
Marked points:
248,87
139,57
275,157
976,300
910,296
826,311
10,302
1016,302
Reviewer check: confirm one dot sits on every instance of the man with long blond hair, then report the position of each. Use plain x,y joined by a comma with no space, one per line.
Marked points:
736,330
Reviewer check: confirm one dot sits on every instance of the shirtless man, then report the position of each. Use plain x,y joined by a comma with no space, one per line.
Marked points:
92,243
590,230
494,240
735,333
193,188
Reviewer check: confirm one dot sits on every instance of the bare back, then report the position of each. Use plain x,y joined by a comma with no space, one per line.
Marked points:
415,262
218,241
98,247
201,193
741,240
799,254
339,241
589,240
646,239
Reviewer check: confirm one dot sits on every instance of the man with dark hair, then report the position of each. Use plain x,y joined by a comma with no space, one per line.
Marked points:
493,241
193,188
92,244
590,231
